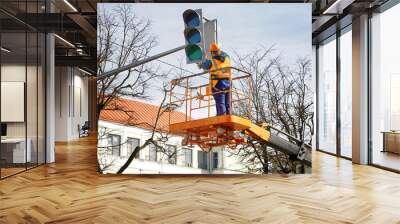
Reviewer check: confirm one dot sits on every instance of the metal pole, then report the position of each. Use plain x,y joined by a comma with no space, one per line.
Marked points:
230,96
137,63
186,99
209,103
216,30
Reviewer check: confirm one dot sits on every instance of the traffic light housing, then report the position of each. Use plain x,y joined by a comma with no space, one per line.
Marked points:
194,36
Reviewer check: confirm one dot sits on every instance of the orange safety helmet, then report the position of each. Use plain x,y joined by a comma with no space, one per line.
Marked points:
214,47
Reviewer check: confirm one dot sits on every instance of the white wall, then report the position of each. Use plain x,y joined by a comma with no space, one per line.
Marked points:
231,163
14,73
33,126
61,103
71,102
143,135
139,166
226,164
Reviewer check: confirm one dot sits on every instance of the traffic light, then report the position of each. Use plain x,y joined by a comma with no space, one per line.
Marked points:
194,37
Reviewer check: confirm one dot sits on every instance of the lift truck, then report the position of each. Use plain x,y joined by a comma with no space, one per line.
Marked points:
208,131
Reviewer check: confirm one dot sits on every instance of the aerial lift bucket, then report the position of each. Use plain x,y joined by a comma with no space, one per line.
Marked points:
228,130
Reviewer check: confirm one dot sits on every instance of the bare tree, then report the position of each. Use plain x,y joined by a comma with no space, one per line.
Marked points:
104,160
282,98
158,137
158,134
123,38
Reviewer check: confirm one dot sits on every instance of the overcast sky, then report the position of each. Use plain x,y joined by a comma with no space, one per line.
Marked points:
241,27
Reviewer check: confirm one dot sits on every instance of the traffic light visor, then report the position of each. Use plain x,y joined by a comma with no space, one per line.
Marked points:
191,18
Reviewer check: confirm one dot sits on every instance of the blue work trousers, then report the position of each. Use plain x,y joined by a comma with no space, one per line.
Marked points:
222,99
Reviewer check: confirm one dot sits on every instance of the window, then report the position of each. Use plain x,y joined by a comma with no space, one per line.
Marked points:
202,160
385,88
188,157
215,160
22,100
346,92
394,102
131,144
171,153
114,143
327,95
152,153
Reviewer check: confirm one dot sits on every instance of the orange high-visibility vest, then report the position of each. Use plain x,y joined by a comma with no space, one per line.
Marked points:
222,70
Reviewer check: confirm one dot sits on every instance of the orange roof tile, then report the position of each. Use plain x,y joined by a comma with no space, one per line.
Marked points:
139,114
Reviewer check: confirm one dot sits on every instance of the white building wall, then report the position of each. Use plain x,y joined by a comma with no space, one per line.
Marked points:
142,165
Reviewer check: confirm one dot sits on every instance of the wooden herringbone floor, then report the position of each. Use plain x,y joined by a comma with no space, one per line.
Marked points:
70,191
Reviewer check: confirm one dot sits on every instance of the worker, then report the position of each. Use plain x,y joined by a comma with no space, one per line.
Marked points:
220,78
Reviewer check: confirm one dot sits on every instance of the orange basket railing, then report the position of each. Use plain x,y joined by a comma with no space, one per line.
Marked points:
192,94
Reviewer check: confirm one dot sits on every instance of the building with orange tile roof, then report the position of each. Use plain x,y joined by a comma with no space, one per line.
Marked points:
128,123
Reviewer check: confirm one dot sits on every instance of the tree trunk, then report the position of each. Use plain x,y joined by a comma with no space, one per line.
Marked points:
132,156
265,158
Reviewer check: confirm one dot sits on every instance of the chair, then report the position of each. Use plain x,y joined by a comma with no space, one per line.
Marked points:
84,130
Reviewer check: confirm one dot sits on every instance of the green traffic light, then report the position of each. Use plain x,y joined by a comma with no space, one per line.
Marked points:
194,53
